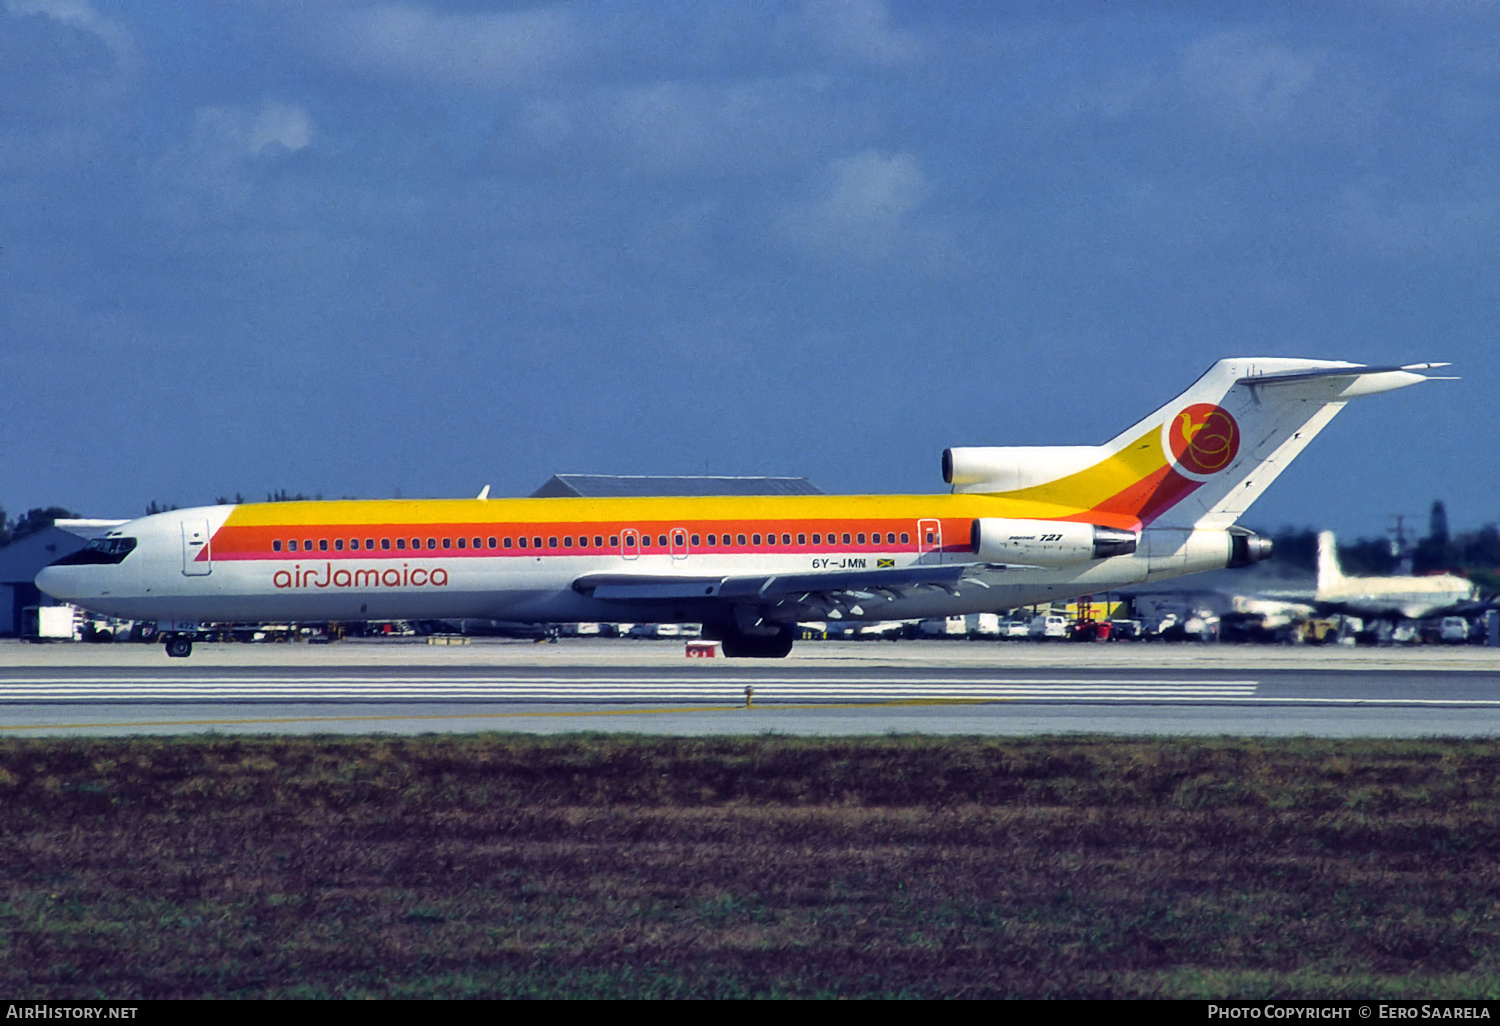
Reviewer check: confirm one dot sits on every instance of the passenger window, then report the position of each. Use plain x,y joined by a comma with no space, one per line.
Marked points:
536,541
741,539
400,543
462,542
817,539
370,543
491,542
929,537
861,537
307,545
385,543
712,540
801,539
523,543
677,540
507,542
353,544
476,543
846,537
432,542
598,541
338,545
583,541
447,543
567,541
905,538
614,540
276,546
661,540
755,539
786,539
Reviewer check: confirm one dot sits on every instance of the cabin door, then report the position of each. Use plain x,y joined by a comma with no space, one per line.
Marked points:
197,560
929,541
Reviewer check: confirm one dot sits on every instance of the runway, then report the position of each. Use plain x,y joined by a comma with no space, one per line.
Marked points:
926,687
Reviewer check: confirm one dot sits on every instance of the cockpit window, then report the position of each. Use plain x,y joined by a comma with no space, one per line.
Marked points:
100,550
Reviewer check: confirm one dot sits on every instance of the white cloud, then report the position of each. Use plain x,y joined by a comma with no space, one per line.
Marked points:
734,128
210,170
80,15
865,208
1245,79
279,124
857,28
478,50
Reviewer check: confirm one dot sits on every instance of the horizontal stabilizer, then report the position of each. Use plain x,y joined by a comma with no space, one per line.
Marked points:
1350,371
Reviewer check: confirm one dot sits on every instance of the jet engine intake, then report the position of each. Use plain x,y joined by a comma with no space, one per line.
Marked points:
1046,542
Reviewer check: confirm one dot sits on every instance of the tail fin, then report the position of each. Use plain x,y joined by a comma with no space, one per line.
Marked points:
1199,461
1329,573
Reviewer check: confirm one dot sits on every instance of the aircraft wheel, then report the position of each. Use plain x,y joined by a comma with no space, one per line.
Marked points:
751,646
180,648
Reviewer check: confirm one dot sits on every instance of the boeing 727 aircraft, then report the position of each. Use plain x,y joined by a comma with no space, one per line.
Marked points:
1021,526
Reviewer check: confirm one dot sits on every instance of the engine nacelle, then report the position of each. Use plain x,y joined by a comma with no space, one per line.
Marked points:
1050,543
1171,552
1006,468
1247,547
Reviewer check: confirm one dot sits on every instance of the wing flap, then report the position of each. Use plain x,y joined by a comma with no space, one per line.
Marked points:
769,588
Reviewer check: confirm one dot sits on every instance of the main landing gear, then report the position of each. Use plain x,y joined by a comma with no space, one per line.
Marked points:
738,645
179,646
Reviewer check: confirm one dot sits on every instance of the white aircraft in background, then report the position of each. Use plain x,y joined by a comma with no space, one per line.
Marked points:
1022,526
1409,597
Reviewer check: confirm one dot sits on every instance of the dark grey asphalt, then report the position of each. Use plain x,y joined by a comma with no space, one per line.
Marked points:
788,698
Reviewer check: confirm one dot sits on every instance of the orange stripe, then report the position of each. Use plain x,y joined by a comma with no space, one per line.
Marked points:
235,543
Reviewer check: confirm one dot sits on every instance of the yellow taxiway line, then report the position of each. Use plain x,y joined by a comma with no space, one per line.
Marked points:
894,703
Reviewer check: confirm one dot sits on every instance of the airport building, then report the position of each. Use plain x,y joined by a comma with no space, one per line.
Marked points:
612,486
23,559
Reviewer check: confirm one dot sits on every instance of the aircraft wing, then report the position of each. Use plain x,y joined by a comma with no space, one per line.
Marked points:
827,594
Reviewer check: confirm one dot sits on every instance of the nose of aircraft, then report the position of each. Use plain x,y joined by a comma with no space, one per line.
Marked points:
60,582
84,574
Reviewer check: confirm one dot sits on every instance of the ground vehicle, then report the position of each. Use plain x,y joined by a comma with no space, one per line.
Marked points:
1454,630
1048,625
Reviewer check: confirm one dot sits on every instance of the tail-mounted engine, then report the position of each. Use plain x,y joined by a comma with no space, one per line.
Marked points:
1246,547
1048,543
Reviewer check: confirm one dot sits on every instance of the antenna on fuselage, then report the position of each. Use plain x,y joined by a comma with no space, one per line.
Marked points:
485,494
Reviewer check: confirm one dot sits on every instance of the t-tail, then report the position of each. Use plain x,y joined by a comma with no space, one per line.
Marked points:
1198,462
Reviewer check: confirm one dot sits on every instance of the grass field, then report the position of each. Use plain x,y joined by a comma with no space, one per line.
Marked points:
594,866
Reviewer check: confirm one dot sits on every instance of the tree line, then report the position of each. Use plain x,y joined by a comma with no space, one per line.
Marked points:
42,517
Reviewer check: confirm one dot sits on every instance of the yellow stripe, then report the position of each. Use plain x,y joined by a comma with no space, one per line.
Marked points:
248,721
1088,488
628,511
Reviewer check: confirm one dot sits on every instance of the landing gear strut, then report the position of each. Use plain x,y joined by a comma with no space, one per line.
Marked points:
179,646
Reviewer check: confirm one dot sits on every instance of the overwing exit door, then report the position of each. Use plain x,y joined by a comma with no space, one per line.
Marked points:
929,540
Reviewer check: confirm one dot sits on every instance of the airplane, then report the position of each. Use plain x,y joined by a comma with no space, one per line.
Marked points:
1409,597
1021,526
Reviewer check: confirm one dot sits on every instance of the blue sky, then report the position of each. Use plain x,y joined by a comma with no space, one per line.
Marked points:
362,248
